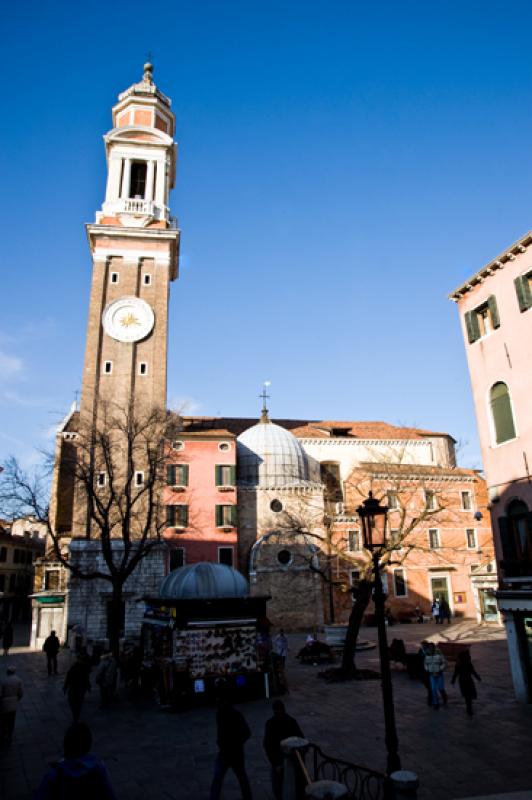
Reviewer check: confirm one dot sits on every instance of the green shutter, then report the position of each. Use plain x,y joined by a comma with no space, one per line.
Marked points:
492,305
509,552
233,475
170,516
170,473
233,516
522,289
184,516
184,474
501,410
218,475
472,327
219,516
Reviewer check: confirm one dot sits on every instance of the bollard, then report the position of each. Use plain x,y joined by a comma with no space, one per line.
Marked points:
327,790
405,784
294,749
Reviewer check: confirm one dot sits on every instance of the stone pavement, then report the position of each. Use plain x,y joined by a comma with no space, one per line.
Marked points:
156,755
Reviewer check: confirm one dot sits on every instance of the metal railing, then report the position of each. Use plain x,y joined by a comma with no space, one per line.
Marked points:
361,782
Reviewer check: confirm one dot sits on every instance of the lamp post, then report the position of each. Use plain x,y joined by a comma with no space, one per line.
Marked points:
373,519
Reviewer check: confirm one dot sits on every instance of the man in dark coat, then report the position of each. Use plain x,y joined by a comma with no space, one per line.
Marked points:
233,733
76,685
278,727
51,648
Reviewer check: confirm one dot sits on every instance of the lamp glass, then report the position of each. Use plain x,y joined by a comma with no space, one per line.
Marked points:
373,517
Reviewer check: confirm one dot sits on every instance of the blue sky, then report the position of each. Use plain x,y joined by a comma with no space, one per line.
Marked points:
342,167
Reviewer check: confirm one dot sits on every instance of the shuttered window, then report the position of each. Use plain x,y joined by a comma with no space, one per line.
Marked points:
177,475
399,582
177,516
225,474
523,291
501,413
482,320
225,516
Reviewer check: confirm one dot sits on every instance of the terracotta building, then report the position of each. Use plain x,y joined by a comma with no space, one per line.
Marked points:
21,543
494,307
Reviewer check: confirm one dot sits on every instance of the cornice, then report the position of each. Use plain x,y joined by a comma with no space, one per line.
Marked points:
509,254
364,442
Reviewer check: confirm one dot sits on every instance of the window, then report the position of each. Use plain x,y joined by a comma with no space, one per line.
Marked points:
276,506
224,446
114,277
101,480
177,516
354,543
482,320
3,553
523,289
399,583
225,556
225,516
15,556
393,501
395,537
330,476
434,538
139,479
177,558
146,279
107,367
225,475
177,475
516,537
51,580
143,368
29,557
137,185
471,537
430,500
2,582
12,582
178,446
501,413
467,504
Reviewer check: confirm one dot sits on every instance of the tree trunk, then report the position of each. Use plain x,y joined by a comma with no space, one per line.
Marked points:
362,598
115,619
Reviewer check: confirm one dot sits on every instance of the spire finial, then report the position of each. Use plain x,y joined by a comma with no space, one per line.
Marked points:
148,70
264,396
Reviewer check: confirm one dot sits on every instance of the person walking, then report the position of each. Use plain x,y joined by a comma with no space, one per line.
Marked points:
436,611
423,674
11,691
280,646
77,684
435,665
465,672
105,677
277,728
79,774
51,648
445,611
232,734
7,638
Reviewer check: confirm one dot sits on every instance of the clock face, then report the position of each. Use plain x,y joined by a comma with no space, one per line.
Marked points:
128,319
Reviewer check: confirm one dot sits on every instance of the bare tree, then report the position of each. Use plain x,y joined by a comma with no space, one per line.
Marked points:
111,479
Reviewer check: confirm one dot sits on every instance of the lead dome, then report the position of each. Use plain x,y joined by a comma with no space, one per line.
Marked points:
269,456
204,581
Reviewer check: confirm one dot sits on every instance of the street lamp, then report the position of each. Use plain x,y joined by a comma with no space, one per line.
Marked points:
373,518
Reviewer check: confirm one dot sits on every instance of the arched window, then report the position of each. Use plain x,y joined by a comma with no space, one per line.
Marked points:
501,413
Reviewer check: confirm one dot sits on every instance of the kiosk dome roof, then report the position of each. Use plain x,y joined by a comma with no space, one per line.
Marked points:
204,581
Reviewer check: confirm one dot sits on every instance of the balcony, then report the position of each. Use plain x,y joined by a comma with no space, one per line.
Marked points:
138,206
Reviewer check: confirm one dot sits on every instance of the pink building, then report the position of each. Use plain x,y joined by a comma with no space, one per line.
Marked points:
200,498
495,307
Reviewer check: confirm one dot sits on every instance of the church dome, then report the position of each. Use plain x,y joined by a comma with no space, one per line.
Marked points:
269,456
204,581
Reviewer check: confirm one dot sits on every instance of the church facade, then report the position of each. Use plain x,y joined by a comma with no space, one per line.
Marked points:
274,498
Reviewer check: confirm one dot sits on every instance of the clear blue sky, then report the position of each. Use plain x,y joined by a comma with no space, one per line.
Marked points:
343,166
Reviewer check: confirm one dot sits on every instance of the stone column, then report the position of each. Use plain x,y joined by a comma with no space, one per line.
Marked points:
327,790
292,747
514,652
160,183
126,180
113,179
405,784
149,181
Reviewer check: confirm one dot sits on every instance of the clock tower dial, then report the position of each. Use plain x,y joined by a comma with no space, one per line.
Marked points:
128,319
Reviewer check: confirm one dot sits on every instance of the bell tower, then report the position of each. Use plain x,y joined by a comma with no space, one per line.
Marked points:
134,244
